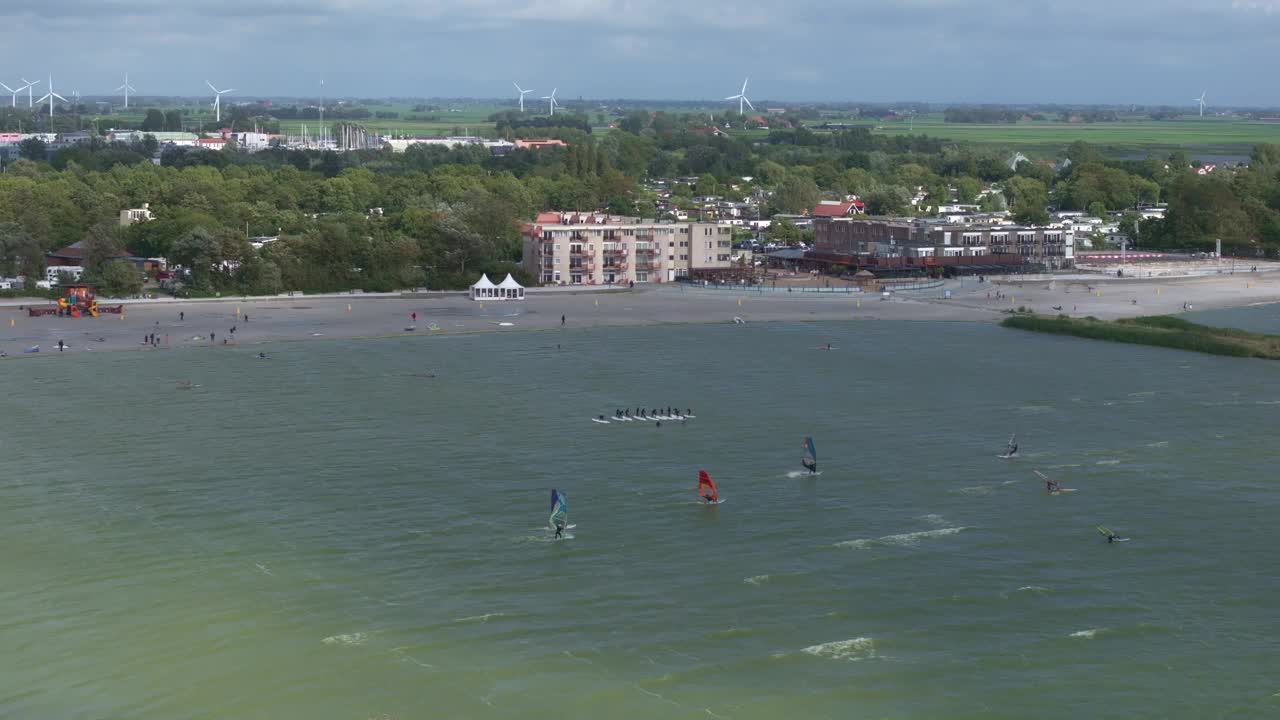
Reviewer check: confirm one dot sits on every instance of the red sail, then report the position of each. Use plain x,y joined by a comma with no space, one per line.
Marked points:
706,488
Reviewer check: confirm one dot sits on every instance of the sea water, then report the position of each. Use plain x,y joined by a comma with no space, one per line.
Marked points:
357,530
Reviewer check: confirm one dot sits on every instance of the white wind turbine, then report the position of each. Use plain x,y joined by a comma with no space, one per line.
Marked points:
30,84
551,101
741,97
127,88
217,100
523,92
1200,101
15,93
50,97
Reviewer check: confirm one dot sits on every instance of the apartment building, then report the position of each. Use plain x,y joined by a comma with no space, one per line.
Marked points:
1051,246
595,249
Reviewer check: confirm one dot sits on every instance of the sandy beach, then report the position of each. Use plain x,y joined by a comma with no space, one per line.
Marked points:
330,317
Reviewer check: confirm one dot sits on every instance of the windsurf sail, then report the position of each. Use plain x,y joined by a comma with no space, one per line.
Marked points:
810,459
559,509
706,488
1012,447
1105,532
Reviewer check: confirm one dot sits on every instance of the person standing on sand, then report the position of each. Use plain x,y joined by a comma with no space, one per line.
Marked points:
561,321
210,337
181,316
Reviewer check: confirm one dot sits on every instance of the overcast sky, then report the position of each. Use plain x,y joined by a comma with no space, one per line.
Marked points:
1077,51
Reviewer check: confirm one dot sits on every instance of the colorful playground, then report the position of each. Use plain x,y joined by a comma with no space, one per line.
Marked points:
78,301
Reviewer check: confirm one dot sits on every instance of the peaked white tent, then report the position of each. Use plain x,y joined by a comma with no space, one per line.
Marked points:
509,289
483,289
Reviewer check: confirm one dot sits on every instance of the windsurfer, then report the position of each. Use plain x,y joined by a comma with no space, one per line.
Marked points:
708,499
559,530
810,465
1051,486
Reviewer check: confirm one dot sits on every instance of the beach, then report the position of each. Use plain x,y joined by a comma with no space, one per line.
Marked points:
189,324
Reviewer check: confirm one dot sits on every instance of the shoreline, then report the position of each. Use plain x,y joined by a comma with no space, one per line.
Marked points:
186,324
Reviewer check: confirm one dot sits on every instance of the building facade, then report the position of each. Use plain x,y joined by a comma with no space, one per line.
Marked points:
589,249
1049,246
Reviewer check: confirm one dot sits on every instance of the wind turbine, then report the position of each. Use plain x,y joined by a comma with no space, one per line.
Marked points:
741,97
15,93
127,88
523,92
30,84
217,100
551,104
1200,102
50,96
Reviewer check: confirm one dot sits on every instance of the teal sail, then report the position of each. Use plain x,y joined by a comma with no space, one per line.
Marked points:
559,510
810,459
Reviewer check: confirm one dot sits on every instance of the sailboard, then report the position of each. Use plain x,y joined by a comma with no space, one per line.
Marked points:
1106,533
1058,489
598,420
707,489
1010,450
559,511
810,459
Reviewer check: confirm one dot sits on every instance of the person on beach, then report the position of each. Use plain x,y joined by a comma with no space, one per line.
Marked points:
210,337
561,321
246,318
181,316
60,345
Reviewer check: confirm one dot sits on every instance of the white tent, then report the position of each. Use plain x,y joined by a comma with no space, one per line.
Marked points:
509,289
484,289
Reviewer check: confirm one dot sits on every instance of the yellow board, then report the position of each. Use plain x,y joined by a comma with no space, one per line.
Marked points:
348,307
10,322
237,311
739,302
859,304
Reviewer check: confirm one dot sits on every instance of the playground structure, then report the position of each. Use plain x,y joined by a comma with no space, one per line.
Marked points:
78,301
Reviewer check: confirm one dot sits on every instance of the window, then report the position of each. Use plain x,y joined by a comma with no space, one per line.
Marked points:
557,276
684,257
557,261
671,243
575,279
708,259
557,245
642,277
722,258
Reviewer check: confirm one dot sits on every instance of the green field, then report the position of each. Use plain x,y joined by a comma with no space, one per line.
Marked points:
1208,135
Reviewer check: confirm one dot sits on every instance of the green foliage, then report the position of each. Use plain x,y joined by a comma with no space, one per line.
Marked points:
1160,331
118,278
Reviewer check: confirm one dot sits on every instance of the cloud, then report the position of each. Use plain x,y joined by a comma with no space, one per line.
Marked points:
857,50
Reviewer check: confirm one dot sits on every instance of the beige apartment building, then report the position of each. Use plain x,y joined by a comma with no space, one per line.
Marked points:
593,249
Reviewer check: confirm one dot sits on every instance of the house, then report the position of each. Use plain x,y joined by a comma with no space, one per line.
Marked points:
839,208
539,144
136,215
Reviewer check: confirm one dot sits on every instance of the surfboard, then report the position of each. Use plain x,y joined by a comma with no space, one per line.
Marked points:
598,420
1059,491
1007,456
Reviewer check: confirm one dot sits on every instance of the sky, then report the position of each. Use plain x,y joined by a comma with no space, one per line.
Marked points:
1052,51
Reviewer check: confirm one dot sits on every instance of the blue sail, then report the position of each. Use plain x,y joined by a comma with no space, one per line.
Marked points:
559,509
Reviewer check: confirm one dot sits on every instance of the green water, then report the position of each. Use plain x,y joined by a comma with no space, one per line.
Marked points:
331,534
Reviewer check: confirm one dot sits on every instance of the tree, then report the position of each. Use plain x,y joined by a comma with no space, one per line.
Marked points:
33,149
173,121
117,278
153,122
796,195
1028,199
1098,209
20,253
967,189
196,251
101,246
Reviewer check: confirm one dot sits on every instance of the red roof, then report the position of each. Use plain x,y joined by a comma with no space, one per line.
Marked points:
841,209
548,218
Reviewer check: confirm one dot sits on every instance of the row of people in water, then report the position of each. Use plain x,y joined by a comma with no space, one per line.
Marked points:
671,413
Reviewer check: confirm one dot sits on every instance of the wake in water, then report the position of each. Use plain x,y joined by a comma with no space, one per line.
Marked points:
860,648
1089,634
902,540
756,580
478,618
801,474
348,639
